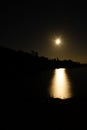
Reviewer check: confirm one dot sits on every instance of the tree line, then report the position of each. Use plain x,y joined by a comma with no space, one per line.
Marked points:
17,61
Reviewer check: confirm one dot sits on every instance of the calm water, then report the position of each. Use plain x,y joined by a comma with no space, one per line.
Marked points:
59,83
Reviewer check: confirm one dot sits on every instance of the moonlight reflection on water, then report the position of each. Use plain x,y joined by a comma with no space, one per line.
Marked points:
60,85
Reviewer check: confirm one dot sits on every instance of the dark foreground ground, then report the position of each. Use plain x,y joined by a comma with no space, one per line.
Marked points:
55,113
37,113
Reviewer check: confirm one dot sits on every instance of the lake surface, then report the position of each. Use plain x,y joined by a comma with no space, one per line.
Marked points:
59,83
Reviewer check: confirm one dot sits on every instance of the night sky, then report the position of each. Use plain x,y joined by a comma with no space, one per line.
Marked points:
34,26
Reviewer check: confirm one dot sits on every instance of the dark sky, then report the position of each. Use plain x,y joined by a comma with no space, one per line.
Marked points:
34,26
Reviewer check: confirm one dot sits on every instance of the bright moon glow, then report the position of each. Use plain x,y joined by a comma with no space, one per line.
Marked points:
57,41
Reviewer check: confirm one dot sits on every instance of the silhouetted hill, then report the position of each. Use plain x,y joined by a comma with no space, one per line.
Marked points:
19,61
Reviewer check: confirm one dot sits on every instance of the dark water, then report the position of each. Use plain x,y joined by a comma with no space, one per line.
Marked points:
59,83
51,112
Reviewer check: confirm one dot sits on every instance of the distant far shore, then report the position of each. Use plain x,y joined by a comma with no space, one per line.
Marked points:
19,61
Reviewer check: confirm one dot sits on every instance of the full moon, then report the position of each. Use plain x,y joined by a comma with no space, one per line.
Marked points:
57,41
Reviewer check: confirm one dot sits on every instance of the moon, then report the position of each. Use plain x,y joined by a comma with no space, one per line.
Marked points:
58,41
